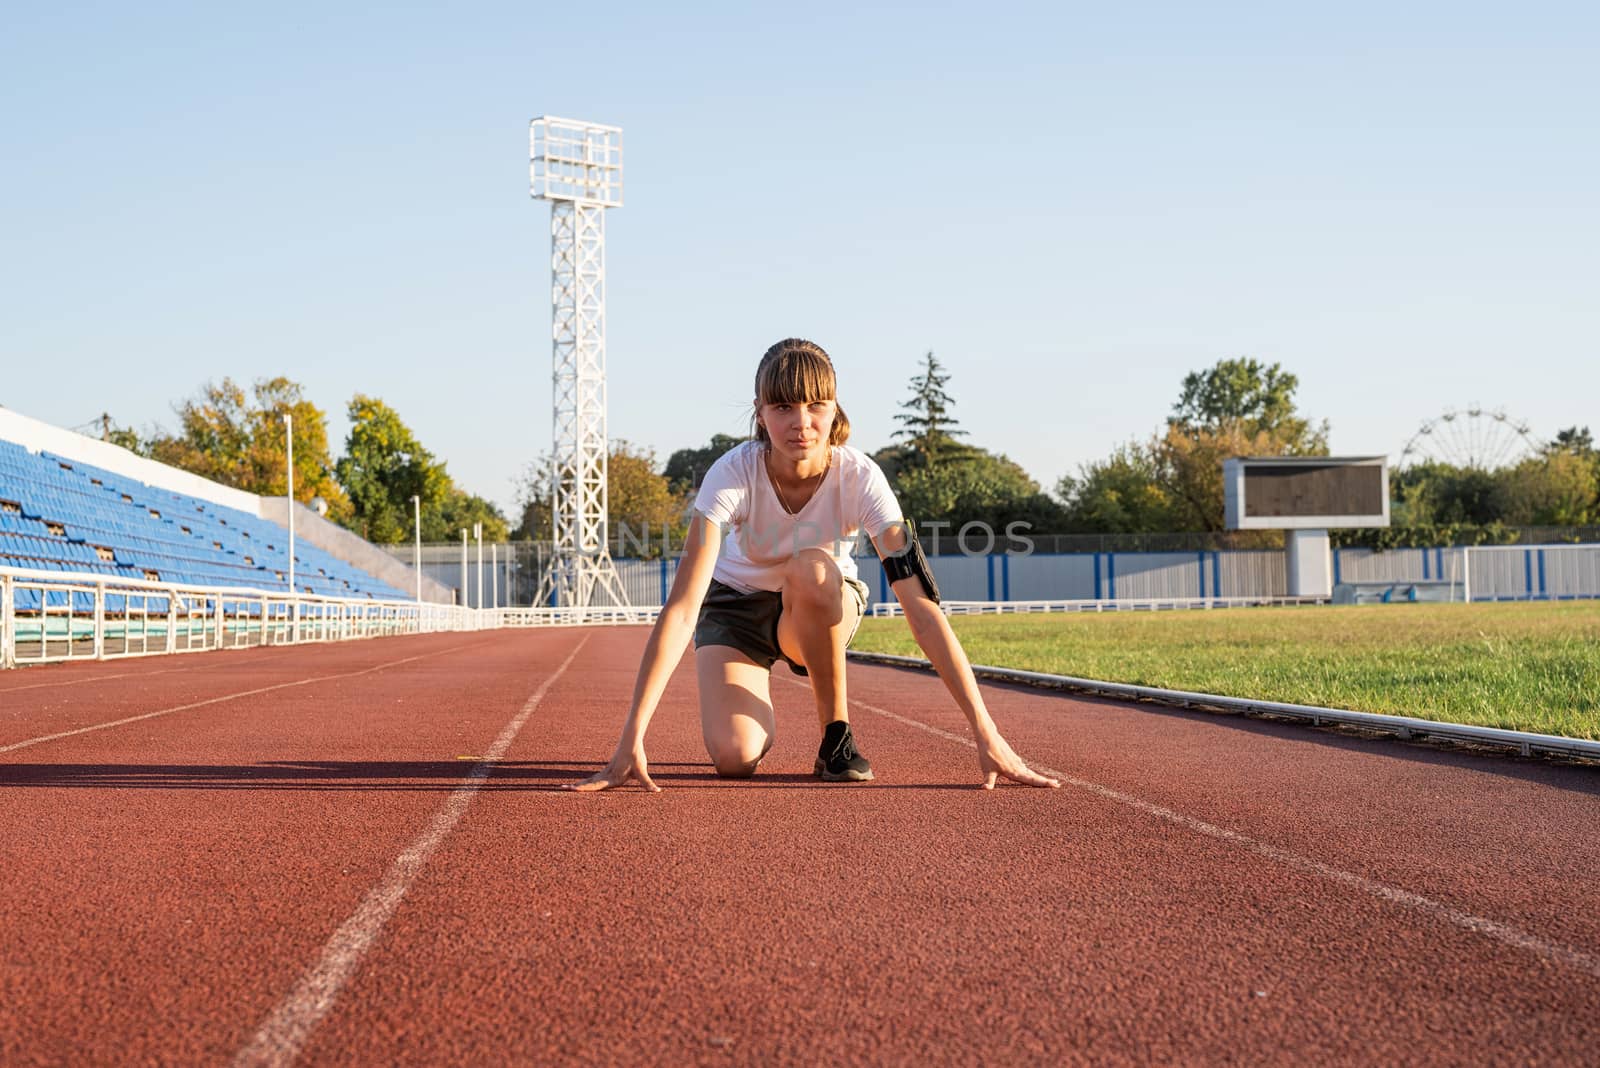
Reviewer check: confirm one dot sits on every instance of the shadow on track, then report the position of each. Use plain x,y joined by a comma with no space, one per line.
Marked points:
400,776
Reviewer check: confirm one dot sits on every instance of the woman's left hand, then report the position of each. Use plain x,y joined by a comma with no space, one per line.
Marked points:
995,758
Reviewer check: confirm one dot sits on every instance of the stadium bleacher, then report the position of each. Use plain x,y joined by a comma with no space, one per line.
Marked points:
58,514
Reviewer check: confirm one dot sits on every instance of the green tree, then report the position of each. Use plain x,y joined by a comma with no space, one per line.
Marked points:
460,510
1574,439
214,436
127,438
1188,465
238,439
1244,396
639,499
926,422
1237,407
976,486
115,434
1120,494
1558,489
533,501
1438,503
636,492
1440,494
383,467
686,467
1173,481
937,479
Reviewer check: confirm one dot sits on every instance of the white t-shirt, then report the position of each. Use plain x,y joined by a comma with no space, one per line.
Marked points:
760,534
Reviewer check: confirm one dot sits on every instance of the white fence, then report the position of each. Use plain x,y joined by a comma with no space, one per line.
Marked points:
892,610
1481,572
1046,576
1104,577
48,616
1531,573
54,616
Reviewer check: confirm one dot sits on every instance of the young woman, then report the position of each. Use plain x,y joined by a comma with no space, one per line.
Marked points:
784,587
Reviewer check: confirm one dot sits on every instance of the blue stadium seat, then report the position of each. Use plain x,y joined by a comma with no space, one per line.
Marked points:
59,514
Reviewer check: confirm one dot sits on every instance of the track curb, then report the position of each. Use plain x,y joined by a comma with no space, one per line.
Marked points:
1405,727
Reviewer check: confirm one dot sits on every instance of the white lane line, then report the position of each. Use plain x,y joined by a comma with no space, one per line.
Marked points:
285,1032
215,700
1554,952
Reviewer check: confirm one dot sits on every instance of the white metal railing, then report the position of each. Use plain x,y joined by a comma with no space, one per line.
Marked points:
563,617
891,609
50,616
599,615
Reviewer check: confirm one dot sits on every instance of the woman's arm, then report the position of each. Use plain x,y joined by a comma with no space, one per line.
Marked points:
668,638
933,635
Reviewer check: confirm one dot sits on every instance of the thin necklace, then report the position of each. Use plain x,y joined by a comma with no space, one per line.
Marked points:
779,489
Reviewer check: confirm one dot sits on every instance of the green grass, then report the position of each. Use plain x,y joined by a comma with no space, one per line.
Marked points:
1531,667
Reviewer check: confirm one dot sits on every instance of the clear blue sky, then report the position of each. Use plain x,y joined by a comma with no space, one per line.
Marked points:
1072,204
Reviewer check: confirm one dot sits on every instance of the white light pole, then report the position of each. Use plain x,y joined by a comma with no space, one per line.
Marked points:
463,567
577,166
494,575
288,433
416,508
477,532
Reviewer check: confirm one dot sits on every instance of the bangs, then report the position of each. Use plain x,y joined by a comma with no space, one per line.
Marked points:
796,377
797,371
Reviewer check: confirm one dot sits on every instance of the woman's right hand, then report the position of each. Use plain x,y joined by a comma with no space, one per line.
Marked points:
625,764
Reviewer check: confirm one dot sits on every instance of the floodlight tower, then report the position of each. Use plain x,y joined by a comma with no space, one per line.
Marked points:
577,166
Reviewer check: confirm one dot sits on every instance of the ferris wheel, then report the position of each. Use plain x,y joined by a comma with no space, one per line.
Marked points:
1478,438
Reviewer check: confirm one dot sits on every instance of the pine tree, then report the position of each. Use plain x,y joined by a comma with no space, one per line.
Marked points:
927,421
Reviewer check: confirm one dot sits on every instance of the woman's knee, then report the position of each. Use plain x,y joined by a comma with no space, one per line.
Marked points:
731,769
738,758
812,580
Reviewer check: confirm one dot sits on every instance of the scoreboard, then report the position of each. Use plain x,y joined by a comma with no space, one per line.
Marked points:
1305,492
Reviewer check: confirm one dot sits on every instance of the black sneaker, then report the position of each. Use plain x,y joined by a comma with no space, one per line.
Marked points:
837,760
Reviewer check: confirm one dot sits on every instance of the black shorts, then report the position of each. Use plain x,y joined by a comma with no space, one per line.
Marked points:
748,622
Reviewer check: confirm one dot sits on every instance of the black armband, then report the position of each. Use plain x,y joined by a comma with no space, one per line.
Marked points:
910,561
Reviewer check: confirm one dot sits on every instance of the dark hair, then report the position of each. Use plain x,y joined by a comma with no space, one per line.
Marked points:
797,371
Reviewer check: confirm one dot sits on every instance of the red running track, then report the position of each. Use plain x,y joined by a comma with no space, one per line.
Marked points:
303,855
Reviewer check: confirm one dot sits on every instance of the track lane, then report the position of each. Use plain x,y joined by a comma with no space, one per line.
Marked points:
42,713
76,672
1491,835
917,918
165,883
282,1036
774,921
68,673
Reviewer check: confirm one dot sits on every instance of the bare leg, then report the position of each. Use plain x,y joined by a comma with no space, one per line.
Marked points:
735,710
818,616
